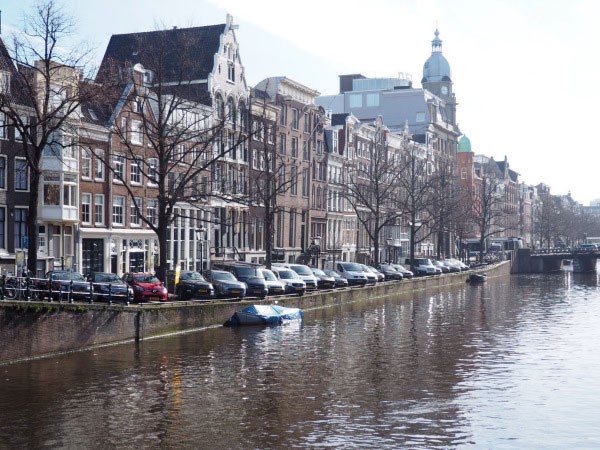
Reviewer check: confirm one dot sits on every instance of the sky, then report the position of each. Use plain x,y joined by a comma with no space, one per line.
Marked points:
526,73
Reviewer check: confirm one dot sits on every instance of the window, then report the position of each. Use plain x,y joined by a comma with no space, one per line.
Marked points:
294,180
4,83
136,217
152,210
355,101
51,194
295,118
3,126
134,172
20,226
86,163
2,173
118,210
292,228
21,175
86,208
153,171
99,166
283,115
306,123
137,135
463,173
305,150
69,190
230,110
305,182
99,209
25,120
294,147
255,156
282,148
118,168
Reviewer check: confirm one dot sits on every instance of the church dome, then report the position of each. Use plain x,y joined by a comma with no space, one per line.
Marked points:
464,144
436,68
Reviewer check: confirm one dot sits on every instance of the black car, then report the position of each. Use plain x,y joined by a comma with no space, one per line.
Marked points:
390,273
324,281
109,287
225,283
64,284
191,285
340,281
250,274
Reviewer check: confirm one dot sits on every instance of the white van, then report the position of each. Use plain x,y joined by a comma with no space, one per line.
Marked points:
422,266
350,271
303,271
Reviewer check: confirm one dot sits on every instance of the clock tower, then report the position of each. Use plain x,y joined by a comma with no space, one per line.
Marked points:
437,77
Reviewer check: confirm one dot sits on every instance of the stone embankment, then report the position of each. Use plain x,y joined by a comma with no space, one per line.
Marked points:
38,329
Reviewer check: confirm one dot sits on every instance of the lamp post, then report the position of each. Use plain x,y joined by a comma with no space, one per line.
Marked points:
200,238
389,241
414,226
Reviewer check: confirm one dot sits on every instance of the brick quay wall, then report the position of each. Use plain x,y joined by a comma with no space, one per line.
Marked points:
39,329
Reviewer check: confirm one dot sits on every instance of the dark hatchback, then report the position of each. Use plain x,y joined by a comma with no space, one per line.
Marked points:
324,281
109,287
340,281
390,272
225,283
250,274
191,285
63,283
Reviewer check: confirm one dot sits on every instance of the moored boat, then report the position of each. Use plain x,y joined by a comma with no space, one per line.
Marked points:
264,315
476,278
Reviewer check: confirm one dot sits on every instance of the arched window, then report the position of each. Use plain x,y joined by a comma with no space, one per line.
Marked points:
230,111
241,116
219,106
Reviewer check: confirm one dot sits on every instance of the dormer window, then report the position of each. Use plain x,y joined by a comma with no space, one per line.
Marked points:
231,72
4,81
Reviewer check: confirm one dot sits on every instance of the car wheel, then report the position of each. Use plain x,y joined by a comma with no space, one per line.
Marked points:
180,295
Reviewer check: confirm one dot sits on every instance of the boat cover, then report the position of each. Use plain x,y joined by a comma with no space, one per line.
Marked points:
265,315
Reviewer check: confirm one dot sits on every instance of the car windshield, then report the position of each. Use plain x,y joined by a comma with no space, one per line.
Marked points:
333,273
365,268
75,276
269,276
319,272
248,272
423,262
386,267
146,278
106,278
288,275
191,276
351,267
223,276
302,270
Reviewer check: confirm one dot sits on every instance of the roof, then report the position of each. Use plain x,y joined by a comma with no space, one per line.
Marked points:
464,145
436,68
185,53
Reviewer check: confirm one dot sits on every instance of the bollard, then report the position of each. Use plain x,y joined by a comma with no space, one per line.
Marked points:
91,292
71,292
110,293
128,298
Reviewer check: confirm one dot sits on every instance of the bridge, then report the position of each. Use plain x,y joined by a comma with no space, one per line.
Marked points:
551,260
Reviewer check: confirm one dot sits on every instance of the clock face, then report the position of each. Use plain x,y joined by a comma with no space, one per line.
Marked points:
445,90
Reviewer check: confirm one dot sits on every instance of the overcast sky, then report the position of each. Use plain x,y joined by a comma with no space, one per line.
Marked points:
526,73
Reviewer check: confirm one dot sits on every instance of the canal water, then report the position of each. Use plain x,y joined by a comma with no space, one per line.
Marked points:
513,363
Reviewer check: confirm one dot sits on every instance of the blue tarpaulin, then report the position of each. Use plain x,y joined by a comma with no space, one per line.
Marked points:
265,315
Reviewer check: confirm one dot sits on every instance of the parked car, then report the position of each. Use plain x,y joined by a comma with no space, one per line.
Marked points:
349,270
225,283
146,287
380,275
390,272
292,281
340,281
61,282
406,274
191,285
324,281
452,267
250,274
440,266
422,266
109,287
303,272
459,264
371,276
274,284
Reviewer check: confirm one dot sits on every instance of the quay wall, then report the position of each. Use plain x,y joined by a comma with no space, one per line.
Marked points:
38,329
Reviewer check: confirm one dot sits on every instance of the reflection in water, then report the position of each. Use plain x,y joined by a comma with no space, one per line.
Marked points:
509,363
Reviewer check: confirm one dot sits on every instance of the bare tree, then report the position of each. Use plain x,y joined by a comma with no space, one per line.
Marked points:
43,96
488,207
169,130
372,184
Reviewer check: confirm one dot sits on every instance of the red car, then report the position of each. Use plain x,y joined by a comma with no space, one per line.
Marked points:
146,287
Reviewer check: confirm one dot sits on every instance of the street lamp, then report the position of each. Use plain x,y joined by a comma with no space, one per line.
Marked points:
389,241
200,238
414,226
